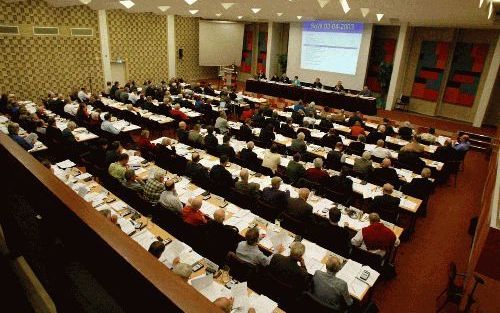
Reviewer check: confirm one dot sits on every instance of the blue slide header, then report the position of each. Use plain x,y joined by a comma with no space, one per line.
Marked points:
332,26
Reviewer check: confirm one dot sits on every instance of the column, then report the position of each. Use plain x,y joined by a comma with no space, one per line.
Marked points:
269,49
488,87
172,54
104,38
399,67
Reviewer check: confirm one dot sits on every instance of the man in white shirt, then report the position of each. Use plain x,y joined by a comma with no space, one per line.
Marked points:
107,126
71,108
375,238
248,250
132,97
169,198
82,95
380,151
272,159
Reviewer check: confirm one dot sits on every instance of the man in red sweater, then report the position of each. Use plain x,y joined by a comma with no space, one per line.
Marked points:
376,237
177,114
317,174
191,212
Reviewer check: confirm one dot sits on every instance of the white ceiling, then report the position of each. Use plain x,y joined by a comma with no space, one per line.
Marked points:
464,13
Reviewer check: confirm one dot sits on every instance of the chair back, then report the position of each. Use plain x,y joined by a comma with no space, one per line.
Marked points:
240,270
267,211
368,258
405,99
307,302
277,290
294,225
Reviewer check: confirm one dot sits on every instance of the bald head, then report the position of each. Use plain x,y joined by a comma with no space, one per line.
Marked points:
244,174
380,143
387,189
304,193
220,216
250,145
276,182
426,172
182,125
333,264
196,203
386,163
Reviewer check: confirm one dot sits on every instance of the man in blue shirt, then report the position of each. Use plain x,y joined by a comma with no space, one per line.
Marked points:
13,129
299,106
463,144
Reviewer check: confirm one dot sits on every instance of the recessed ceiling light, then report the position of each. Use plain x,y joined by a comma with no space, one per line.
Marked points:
490,10
365,11
299,17
279,14
164,8
127,3
481,3
323,3
85,1
345,6
193,12
227,5
218,14
190,1
380,16
256,10
240,17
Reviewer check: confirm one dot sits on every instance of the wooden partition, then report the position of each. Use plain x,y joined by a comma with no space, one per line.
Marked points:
133,279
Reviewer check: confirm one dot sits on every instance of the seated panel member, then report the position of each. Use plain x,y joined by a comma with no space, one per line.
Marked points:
317,84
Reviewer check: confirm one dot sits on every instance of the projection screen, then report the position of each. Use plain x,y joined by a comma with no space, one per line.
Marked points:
221,43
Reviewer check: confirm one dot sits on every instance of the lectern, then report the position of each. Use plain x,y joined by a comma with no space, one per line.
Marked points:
230,76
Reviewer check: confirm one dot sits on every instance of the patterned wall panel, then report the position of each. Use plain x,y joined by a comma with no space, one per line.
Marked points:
465,73
246,54
262,54
140,39
430,70
187,38
30,65
382,50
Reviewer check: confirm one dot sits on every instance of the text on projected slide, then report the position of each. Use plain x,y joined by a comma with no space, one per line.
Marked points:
331,46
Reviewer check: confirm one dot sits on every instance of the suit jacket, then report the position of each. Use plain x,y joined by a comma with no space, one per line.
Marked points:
298,146
222,239
285,269
363,166
336,238
330,140
386,175
386,206
252,189
249,157
227,150
196,171
316,175
357,146
295,171
405,132
306,132
331,290
221,177
445,154
340,184
420,188
412,160
334,160
245,133
374,136
275,197
299,209
182,135
287,131
210,141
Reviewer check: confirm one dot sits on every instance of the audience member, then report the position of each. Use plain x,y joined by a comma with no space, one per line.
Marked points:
133,182
169,199
243,186
118,168
191,213
295,170
154,187
376,237
286,269
271,158
225,148
274,196
316,174
220,177
363,165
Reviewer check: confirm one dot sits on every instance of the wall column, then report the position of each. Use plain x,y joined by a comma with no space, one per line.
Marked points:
488,87
104,39
172,54
399,66
270,52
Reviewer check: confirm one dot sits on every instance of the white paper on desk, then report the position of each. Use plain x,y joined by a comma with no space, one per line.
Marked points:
241,213
369,147
231,208
190,257
83,176
65,164
126,226
354,179
207,287
208,208
135,160
313,265
140,170
323,203
145,238
239,292
349,271
374,275
262,304
173,250
118,206
182,183
314,251
357,288
350,160
408,204
278,239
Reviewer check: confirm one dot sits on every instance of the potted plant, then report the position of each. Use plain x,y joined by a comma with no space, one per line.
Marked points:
282,61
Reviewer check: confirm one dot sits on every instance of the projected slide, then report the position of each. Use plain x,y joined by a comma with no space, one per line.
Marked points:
331,46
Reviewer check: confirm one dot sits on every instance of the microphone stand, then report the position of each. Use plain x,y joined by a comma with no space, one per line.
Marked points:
470,296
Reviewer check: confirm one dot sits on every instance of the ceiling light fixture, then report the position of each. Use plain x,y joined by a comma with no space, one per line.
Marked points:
218,14
323,3
193,12
365,11
345,6
190,2
240,17
279,14
380,16
256,10
481,3
299,17
85,1
227,5
127,3
164,8
490,10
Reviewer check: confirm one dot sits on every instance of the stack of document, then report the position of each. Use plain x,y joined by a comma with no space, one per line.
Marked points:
65,164
240,222
209,288
350,273
145,238
126,225
262,304
172,251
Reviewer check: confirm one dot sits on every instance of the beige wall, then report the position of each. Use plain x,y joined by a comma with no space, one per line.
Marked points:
32,65
452,36
140,39
187,38
492,116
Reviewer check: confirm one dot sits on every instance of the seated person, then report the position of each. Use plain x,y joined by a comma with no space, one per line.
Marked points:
389,130
411,160
317,84
420,187
261,75
271,158
375,238
287,128
108,126
326,122
355,117
299,105
445,153
331,138
13,130
169,199
298,145
195,170
316,174
245,133
357,129
287,270
296,81
133,182
114,151
329,289
226,305
463,144
336,157
177,114
194,136
274,196
285,79
405,131
338,87
226,236
156,248
191,213
267,135
305,129
334,236
377,135
357,147
341,183
386,174
67,136
365,92
295,170
339,117
182,133
247,156
220,177
413,146
221,123
363,165
299,208
154,187
210,141
248,250
225,148
243,186
429,136
118,168
275,78
381,152
386,205
164,150
144,143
